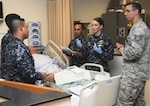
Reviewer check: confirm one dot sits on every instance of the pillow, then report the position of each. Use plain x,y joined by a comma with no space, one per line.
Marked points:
43,63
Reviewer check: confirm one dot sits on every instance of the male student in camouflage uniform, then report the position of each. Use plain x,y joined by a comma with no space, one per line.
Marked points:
136,55
17,61
76,45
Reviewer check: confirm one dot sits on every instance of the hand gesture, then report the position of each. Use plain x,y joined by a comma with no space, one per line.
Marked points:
78,43
119,46
98,48
50,78
43,74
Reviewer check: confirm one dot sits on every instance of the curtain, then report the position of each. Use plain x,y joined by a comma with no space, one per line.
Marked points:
60,21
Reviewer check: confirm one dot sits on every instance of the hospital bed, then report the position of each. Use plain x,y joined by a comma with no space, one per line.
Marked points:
103,93
93,92
56,53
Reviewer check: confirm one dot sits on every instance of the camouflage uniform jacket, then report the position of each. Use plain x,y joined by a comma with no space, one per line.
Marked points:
107,50
136,53
18,63
5,40
77,60
7,37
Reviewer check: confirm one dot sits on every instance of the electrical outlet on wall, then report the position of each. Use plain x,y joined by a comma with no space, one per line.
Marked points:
121,31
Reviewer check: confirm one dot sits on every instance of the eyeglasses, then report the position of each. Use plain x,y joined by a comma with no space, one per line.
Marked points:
77,29
128,11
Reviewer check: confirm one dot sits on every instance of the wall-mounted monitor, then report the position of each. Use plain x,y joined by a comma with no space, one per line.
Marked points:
1,10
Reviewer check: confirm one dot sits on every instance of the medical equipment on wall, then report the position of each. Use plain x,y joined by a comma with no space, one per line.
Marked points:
34,34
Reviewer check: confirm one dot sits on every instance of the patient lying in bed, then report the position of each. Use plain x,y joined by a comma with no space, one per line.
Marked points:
73,75
43,63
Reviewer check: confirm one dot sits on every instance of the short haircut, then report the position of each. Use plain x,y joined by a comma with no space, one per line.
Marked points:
135,5
10,17
78,23
16,23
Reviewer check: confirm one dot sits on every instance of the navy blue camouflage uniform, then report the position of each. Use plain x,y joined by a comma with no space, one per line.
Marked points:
17,62
77,60
93,57
5,40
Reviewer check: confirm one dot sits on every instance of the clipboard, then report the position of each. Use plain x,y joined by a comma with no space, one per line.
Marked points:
67,50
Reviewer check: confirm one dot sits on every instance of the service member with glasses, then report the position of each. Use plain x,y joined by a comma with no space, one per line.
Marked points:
136,59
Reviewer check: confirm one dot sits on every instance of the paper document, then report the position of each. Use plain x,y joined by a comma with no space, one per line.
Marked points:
67,76
66,50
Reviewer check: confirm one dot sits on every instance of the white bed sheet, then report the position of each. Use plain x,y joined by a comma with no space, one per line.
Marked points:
44,63
71,74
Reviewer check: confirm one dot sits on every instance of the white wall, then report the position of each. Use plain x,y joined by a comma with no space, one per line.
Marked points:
36,10
30,10
86,10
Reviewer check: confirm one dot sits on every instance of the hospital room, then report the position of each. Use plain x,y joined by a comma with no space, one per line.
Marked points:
112,64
